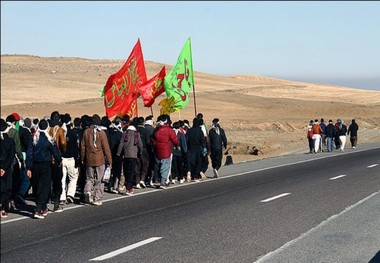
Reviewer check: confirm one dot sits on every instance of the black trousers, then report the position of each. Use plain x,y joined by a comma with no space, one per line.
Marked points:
194,161
204,163
57,175
142,165
129,169
117,164
42,176
177,167
216,158
6,189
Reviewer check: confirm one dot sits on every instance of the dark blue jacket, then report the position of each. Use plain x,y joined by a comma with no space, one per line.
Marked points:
182,149
42,152
330,130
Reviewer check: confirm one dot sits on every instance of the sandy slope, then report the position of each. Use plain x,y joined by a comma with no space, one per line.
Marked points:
269,113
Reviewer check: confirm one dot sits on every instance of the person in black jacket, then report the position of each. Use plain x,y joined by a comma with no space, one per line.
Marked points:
142,164
196,149
353,132
7,154
149,130
115,134
38,164
330,135
218,141
25,137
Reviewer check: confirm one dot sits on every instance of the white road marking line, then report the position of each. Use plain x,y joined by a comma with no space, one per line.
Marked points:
373,165
270,256
337,177
206,181
125,249
274,197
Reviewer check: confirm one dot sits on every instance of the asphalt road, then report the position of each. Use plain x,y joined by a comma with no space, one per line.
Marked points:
301,208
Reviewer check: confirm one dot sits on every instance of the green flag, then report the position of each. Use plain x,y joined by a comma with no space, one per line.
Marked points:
180,81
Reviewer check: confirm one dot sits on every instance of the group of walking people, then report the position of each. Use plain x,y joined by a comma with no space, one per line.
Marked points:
324,137
59,160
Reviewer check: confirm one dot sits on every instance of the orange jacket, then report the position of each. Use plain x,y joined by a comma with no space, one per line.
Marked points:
317,129
58,133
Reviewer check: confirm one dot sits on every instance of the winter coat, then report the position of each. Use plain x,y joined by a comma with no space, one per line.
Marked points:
195,140
58,134
7,152
330,131
25,138
130,143
114,140
217,141
72,144
353,129
317,129
94,156
149,130
163,140
342,131
145,136
42,152
182,149
14,134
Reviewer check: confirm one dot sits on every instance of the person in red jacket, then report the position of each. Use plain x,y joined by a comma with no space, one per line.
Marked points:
163,141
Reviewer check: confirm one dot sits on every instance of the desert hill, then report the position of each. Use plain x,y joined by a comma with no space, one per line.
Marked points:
269,113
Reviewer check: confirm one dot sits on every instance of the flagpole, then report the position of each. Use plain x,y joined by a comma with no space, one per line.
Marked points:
195,103
151,110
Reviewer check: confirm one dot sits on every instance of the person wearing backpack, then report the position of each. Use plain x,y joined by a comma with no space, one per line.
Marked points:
131,146
310,136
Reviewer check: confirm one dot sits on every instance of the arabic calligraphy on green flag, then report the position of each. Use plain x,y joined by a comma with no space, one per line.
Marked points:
179,82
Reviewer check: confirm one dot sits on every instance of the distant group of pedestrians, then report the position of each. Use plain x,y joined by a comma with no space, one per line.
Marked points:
60,161
324,137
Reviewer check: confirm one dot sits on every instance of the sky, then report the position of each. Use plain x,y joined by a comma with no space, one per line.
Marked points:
326,42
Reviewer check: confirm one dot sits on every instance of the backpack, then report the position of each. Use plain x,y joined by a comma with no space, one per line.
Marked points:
310,133
136,137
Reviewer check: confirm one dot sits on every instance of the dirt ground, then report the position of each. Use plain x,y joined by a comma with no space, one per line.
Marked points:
271,114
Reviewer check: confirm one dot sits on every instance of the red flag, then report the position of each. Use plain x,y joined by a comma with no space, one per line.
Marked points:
122,88
151,89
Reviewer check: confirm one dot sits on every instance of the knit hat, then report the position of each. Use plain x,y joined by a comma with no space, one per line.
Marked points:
216,120
17,117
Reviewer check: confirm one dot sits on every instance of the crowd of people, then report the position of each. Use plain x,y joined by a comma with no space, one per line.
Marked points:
59,160
323,137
